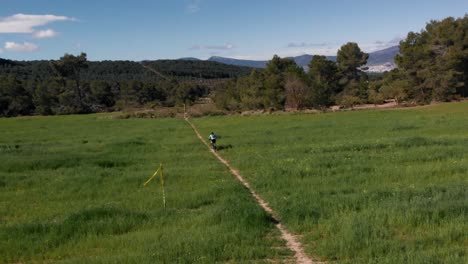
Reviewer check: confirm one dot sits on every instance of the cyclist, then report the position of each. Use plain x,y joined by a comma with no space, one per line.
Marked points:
212,139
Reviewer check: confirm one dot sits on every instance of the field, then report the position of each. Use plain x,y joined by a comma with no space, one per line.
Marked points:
357,187
361,187
71,191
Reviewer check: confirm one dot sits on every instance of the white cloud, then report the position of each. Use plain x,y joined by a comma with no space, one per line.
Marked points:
1,51
380,45
396,40
304,44
193,6
26,46
252,57
48,33
226,46
331,48
22,23
327,50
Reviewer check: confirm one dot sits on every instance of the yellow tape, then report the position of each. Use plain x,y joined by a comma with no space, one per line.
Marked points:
160,169
154,175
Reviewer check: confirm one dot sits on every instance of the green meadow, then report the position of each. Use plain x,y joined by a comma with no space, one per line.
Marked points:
357,187
360,186
71,191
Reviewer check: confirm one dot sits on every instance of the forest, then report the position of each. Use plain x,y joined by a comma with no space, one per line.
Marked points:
75,85
432,66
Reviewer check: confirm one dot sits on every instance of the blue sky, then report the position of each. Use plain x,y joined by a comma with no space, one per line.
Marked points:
144,29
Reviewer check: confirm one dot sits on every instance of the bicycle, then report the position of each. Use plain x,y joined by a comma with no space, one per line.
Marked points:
213,145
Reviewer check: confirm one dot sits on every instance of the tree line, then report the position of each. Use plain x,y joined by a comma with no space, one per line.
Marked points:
432,66
73,84
283,84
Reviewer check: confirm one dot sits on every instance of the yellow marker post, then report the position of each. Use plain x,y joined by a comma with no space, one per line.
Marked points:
160,169
162,186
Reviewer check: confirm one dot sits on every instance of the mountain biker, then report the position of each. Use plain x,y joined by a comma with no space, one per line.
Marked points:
212,138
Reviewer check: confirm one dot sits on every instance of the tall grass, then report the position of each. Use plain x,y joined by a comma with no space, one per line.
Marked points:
71,191
361,187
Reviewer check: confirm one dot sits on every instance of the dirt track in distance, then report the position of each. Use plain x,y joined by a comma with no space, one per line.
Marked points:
291,240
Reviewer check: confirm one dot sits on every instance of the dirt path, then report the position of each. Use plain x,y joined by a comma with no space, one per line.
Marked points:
291,240
154,71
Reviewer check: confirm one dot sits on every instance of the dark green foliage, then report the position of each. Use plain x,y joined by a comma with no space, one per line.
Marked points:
101,92
69,70
350,58
261,89
296,91
75,85
118,71
433,66
190,69
128,70
279,65
14,99
45,97
283,84
352,82
323,75
434,62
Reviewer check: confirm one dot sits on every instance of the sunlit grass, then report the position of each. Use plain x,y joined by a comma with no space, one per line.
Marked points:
71,190
361,187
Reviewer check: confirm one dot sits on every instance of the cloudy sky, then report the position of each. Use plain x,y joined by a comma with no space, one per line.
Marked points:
253,29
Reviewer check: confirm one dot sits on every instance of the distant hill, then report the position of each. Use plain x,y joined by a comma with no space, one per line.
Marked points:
377,58
198,69
248,63
4,62
189,59
128,70
305,59
382,56
183,68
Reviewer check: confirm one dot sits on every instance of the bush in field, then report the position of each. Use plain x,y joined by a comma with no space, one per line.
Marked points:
374,96
296,92
352,81
348,100
396,90
323,79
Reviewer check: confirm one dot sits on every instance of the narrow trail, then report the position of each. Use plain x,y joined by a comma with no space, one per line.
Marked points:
291,240
154,71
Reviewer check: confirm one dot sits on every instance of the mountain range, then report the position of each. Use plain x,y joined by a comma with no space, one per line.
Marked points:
378,61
